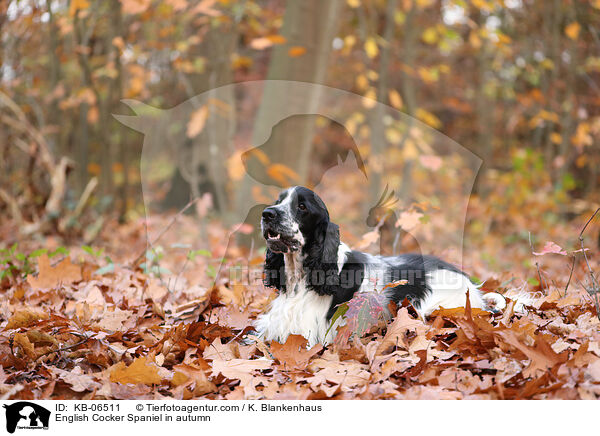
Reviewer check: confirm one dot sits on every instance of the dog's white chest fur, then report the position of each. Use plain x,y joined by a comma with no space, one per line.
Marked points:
298,311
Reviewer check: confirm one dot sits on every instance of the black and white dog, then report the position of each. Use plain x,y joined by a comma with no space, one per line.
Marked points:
314,272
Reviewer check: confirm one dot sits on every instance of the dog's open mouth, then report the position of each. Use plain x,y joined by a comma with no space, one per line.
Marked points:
271,235
279,243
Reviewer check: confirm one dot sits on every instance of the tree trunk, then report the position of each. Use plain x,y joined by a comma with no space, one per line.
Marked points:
310,24
205,170
409,94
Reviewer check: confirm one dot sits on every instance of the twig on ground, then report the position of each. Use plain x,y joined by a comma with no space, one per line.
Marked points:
537,265
594,282
593,289
570,274
69,347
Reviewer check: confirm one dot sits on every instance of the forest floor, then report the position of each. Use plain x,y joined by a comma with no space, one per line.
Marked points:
81,323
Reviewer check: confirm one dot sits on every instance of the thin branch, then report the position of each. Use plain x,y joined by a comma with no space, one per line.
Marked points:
594,289
570,274
594,281
537,265
69,347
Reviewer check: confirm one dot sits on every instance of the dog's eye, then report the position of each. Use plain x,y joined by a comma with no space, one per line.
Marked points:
302,206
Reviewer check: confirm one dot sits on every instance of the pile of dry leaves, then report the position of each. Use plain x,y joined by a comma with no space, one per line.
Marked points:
69,331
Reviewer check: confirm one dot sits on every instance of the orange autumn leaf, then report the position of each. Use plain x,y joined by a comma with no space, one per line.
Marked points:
296,51
141,371
395,335
25,318
572,30
542,357
293,354
50,276
27,347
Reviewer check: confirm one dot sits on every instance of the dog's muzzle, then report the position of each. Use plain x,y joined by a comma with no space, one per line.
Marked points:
280,238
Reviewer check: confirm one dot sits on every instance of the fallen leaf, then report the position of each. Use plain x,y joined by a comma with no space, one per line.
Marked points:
113,320
38,337
79,381
239,369
294,354
551,248
594,370
217,350
22,341
192,378
542,357
396,331
141,371
242,370
25,318
51,277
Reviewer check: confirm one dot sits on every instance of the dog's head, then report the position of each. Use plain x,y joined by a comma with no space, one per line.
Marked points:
298,219
299,222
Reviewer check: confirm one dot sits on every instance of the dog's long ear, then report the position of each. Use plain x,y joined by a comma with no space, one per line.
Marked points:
331,243
274,272
327,237
321,260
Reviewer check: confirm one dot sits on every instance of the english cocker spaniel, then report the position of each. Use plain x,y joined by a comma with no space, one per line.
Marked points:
314,272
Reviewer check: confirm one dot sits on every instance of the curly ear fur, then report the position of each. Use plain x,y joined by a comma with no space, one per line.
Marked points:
321,260
274,271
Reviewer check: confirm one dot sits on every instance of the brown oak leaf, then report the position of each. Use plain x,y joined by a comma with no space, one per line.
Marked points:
294,354
141,371
52,276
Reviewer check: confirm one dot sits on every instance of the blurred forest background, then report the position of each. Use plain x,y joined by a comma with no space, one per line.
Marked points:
514,81
89,310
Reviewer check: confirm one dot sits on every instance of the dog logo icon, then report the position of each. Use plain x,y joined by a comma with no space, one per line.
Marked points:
26,415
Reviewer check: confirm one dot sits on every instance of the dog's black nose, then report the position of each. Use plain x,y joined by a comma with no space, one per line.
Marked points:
268,214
